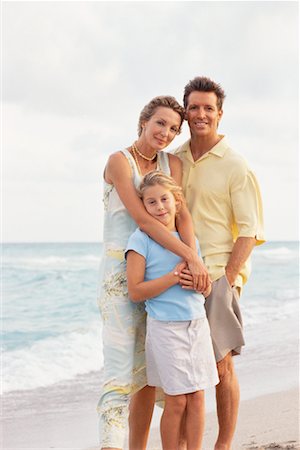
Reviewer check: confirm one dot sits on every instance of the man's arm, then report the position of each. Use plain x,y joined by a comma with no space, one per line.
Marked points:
248,212
240,253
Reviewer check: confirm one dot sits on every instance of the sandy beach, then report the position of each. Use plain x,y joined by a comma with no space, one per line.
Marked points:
266,422
63,416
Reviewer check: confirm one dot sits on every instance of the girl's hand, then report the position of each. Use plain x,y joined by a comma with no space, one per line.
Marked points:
199,275
178,269
186,279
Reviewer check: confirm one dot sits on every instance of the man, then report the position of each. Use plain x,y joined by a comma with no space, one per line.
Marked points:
223,197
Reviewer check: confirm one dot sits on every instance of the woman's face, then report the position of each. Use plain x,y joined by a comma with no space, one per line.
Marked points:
160,130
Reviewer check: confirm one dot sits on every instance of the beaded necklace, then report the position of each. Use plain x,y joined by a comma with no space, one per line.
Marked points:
147,158
133,148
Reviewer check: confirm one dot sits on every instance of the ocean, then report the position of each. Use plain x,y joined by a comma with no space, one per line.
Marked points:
51,328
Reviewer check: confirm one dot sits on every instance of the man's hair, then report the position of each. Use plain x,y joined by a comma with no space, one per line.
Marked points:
163,100
204,84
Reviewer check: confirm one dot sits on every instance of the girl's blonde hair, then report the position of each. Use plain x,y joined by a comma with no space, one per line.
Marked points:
156,177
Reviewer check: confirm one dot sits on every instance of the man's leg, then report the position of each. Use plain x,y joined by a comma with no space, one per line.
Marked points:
227,396
225,320
140,415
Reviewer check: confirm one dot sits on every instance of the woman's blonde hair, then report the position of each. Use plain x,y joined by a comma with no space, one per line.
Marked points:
156,177
167,101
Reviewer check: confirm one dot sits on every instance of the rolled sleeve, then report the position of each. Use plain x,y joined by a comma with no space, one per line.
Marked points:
247,207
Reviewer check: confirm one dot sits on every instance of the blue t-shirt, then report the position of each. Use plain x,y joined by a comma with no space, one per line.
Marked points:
174,304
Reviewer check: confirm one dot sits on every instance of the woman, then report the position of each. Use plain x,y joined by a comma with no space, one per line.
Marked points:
124,322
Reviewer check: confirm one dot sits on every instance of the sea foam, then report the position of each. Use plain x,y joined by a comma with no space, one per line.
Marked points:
278,253
54,359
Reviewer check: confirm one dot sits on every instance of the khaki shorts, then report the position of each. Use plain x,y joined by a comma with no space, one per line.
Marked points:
179,356
225,319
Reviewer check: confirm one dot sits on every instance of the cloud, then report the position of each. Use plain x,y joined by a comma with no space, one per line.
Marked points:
77,74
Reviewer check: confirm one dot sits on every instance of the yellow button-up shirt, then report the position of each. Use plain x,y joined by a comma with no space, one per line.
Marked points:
224,200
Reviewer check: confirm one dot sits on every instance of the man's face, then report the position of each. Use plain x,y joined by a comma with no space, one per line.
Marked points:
202,114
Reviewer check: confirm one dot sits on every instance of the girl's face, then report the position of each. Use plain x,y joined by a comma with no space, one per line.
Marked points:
161,204
160,130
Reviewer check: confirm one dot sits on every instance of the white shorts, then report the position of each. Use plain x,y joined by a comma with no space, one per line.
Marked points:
180,356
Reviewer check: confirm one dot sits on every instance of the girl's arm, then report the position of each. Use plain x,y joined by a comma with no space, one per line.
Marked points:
118,173
140,290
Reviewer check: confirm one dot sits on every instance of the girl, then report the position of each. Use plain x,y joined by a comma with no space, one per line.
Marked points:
124,372
179,352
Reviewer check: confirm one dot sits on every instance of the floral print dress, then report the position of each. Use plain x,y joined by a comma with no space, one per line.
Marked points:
124,322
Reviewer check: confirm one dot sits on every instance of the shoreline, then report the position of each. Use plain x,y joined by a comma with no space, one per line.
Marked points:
266,422
64,415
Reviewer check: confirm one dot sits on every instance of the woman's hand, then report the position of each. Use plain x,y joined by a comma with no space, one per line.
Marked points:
195,277
207,292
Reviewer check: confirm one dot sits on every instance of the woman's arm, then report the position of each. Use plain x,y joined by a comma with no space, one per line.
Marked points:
118,173
184,222
185,227
140,290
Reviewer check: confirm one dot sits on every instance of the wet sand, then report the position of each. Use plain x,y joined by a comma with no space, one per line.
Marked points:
266,422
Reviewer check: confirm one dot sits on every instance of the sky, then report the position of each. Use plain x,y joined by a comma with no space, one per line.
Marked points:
76,75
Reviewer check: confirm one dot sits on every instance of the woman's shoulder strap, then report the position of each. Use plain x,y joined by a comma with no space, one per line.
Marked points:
163,161
130,159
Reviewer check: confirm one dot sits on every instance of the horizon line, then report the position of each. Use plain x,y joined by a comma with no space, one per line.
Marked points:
101,242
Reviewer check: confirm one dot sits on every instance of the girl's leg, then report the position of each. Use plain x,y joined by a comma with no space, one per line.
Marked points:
195,419
182,437
140,415
171,420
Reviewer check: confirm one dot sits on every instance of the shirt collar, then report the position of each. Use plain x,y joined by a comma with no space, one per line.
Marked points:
219,149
